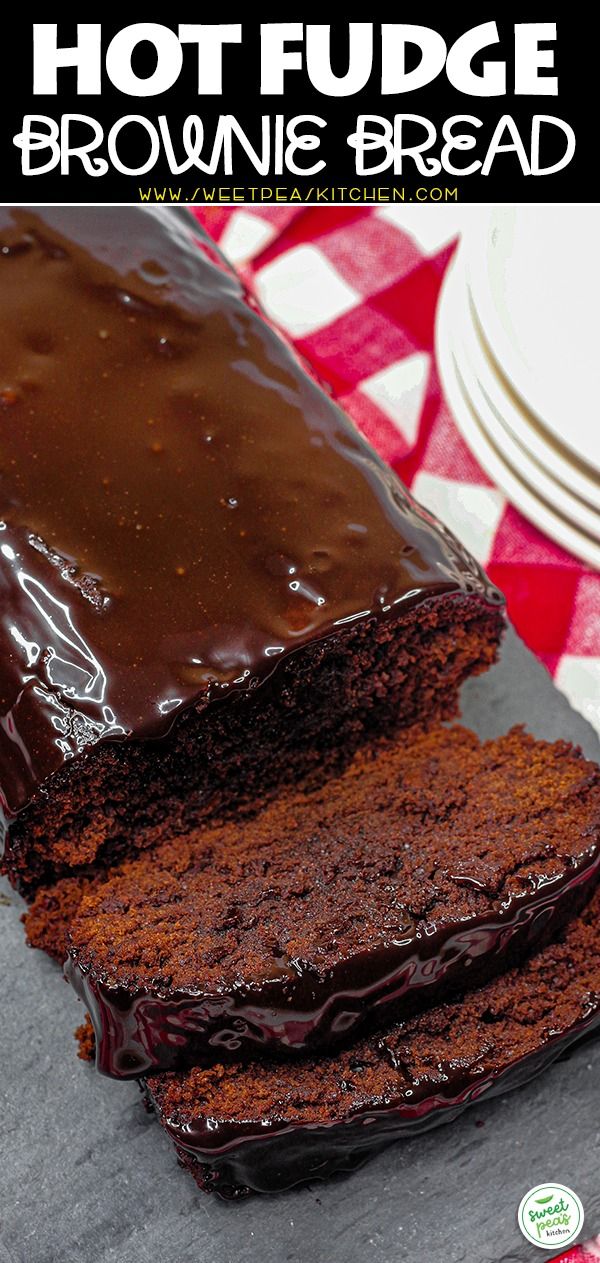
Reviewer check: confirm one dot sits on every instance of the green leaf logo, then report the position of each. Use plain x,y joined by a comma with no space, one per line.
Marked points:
550,1216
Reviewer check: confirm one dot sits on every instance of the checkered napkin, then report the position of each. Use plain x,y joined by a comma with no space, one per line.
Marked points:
588,1253
356,291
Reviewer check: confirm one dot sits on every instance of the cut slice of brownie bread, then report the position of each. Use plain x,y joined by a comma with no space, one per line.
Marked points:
210,584
270,1126
423,870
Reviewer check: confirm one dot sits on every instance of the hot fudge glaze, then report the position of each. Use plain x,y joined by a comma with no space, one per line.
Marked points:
181,506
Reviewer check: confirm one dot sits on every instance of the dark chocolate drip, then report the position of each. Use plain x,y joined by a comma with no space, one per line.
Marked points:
181,506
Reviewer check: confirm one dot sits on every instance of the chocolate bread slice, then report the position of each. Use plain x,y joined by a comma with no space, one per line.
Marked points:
210,585
419,872
269,1126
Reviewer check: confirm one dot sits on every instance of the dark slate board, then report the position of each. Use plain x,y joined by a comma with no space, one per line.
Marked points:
87,1177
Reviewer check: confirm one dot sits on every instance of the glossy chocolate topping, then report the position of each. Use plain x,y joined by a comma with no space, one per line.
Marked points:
180,504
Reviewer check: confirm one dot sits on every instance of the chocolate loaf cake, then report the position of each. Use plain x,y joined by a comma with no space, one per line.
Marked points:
420,871
210,585
270,1125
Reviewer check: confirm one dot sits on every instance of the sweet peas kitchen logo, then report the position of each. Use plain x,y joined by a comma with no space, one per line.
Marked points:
550,1216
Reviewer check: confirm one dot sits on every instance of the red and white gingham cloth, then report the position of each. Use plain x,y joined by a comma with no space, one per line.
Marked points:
356,291
588,1253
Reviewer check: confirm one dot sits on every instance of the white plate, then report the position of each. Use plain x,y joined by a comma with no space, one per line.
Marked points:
485,392
523,497
523,425
534,276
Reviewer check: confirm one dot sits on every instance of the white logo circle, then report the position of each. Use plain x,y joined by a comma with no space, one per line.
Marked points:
550,1216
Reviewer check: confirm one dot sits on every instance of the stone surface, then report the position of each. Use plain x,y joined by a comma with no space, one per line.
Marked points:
85,1173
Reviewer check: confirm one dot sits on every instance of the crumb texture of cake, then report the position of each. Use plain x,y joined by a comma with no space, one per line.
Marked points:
84,1035
210,584
327,702
422,870
270,1126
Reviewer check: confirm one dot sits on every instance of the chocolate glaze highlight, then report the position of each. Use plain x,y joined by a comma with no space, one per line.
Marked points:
181,506
138,1032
